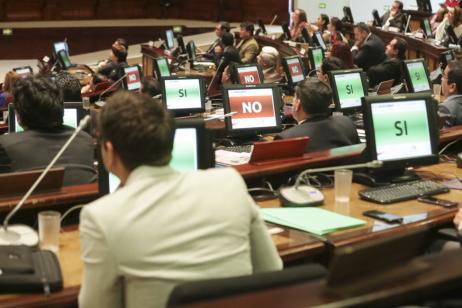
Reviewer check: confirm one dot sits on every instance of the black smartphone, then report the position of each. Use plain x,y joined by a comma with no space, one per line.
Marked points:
436,201
390,218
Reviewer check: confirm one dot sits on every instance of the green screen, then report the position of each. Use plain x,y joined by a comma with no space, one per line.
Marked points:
318,57
69,119
164,70
418,76
350,89
183,93
401,129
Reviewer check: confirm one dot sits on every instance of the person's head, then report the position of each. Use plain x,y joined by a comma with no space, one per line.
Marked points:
330,64
268,57
361,31
299,16
122,42
396,48
335,24
150,86
118,53
38,103
451,82
322,22
227,39
342,51
70,87
134,130
312,98
455,16
442,10
221,28
10,79
246,31
397,6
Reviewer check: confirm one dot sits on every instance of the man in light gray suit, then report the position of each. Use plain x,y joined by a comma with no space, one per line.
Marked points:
451,85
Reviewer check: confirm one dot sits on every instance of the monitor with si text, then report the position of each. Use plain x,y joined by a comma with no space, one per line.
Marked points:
183,95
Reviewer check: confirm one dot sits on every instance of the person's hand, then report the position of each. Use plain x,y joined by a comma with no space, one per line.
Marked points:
458,219
358,43
393,12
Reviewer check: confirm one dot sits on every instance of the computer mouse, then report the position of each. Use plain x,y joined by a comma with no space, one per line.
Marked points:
227,142
459,160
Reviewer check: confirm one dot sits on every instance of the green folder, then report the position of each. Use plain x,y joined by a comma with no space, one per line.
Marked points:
313,220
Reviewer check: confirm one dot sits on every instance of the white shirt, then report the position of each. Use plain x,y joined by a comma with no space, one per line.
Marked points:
440,34
165,227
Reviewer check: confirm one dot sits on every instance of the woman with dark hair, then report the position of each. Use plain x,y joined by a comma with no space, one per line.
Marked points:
299,21
342,51
335,28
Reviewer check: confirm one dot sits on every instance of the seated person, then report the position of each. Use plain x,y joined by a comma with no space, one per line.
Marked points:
335,28
39,109
70,86
222,234
395,17
151,87
299,21
230,53
330,64
391,68
8,84
453,18
342,51
311,110
268,59
321,25
114,69
438,17
451,85
248,47
369,49
216,49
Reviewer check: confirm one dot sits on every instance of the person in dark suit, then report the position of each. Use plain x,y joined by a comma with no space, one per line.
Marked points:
395,17
311,111
391,68
451,85
369,49
215,50
228,59
114,69
39,109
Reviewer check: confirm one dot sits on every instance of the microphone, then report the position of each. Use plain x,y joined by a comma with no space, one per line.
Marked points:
101,103
305,195
221,116
22,234
274,19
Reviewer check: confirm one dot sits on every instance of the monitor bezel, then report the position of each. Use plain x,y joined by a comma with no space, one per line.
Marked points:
183,111
277,98
125,82
443,60
28,67
237,78
409,84
422,25
180,43
348,14
335,94
191,50
432,119
320,40
157,69
166,39
287,71
376,18
66,47
60,55
311,56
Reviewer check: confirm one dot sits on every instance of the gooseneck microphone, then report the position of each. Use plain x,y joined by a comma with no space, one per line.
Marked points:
101,103
22,234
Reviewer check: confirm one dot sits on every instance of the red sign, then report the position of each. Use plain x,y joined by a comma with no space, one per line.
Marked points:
252,106
295,70
249,77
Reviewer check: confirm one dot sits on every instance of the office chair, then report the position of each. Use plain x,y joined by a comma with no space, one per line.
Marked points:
203,290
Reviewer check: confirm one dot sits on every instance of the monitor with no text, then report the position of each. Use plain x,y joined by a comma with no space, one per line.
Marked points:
256,108
170,39
401,131
248,74
73,113
417,77
347,15
294,69
191,50
446,57
316,56
348,87
23,71
320,41
181,46
132,82
427,28
162,68
183,95
192,150
64,59
286,31
376,17
57,46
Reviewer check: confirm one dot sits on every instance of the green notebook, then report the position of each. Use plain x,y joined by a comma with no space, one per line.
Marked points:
313,220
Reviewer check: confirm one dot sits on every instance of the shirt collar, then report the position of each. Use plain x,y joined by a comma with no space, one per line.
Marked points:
145,171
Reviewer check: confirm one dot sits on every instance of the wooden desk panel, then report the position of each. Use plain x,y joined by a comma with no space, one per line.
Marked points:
450,134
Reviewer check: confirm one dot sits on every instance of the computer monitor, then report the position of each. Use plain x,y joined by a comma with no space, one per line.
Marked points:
294,69
427,28
316,56
286,31
348,87
64,59
183,95
57,46
377,19
348,16
256,107
261,25
73,113
192,150
23,71
181,46
248,74
191,50
446,57
453,39
132,82
417,77
425,6
306,36
320,40
162,68
170,39
401,131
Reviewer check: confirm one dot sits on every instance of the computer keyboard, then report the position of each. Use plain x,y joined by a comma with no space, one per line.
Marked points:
240,148
402,191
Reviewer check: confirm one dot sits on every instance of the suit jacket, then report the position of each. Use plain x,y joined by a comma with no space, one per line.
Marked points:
398,21
113,71
371,53
32,149
165,227
248,50
391,68
230,54
451,108
324,133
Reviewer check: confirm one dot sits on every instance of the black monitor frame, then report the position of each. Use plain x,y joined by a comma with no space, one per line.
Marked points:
236,76
287,70
443,58
261,25
64,59
376,18
277,104
348,16
409,84
18,69
56,50
425,6
317,37
311,57
157,68
205,155
306,36
335,92
426,27
191,51
453,39
432,119
185,111
170,44
125,81
181,45
286,31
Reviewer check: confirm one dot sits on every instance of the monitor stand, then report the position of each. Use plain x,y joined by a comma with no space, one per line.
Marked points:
381,178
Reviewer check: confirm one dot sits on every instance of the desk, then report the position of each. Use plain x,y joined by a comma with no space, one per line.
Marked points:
450,134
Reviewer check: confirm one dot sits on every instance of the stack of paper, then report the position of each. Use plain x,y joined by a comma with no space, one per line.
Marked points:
313,220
